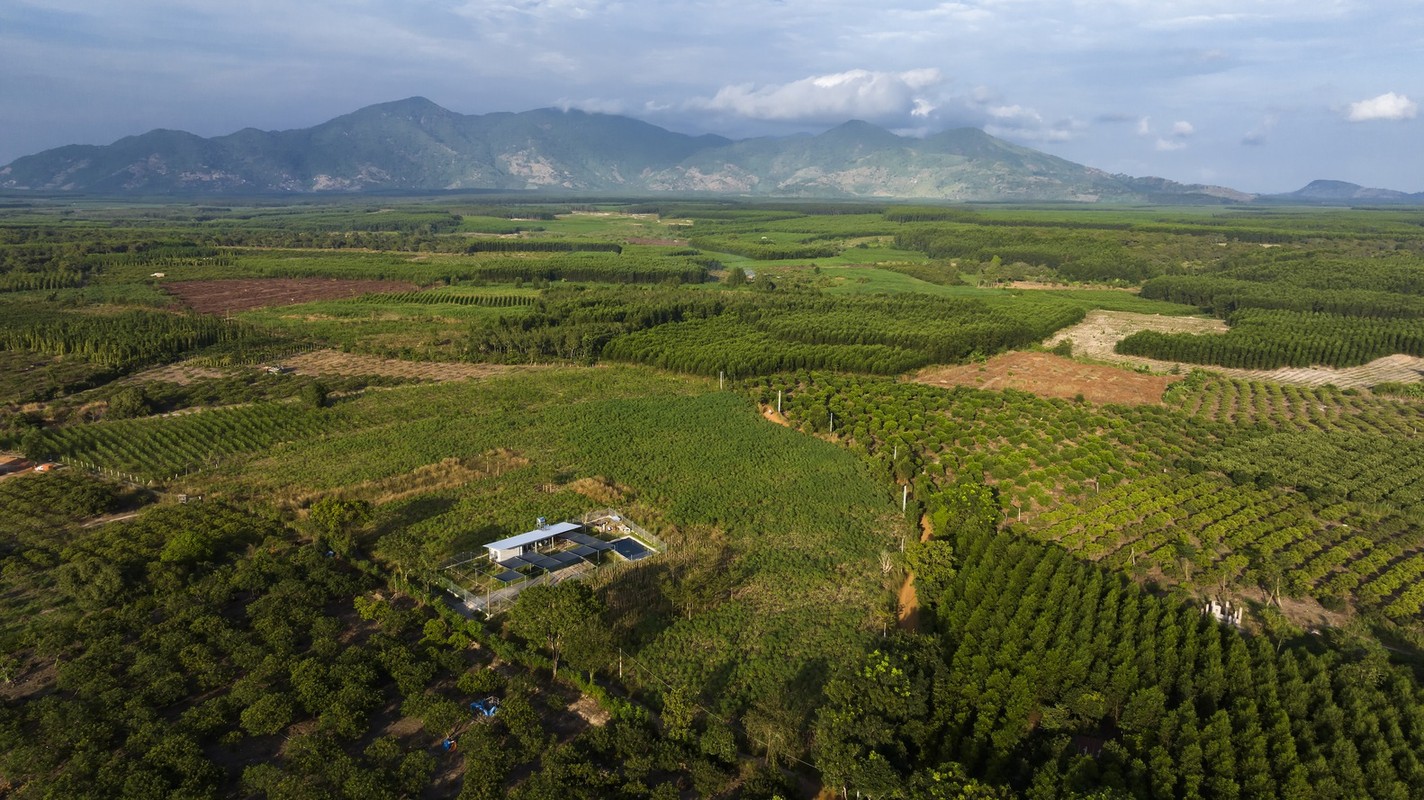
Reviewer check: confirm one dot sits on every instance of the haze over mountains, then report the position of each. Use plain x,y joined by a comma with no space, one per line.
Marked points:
414,145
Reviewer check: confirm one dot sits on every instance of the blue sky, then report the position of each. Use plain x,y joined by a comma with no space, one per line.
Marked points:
1260,95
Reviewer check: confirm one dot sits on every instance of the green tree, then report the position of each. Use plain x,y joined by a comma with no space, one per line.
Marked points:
128,403
270,714
933,564
704,573
556,617
315,394
336,520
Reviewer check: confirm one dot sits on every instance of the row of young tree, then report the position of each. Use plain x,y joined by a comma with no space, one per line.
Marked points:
159,448
1266,339
1223,296
540,246
1076,254
438,297
123,340
760,332
1284,407
755,248
1059,679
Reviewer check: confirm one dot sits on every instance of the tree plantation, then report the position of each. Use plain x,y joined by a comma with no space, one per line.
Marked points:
240,444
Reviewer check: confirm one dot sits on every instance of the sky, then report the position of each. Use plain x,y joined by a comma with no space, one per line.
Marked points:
1258,95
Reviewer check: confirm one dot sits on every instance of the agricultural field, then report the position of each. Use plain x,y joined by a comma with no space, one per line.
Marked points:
957,501
1049,375
227,296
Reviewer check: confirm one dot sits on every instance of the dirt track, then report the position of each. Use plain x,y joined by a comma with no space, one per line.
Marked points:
1100,331
908,601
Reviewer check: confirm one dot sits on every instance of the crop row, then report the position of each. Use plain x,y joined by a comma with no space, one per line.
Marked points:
451,298
1209,532
157,448
1034,449
1264,339
48,280
1366,468
1286,408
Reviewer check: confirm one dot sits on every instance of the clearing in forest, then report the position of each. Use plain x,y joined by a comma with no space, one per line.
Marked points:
181,373
1100,331
1047,375
223,296
335,362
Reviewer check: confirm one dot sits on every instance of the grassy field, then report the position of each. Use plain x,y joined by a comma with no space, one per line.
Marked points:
804,527
409,329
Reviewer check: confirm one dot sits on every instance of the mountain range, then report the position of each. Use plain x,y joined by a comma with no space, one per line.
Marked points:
416,145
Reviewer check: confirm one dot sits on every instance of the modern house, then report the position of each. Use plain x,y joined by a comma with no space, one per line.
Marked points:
529,542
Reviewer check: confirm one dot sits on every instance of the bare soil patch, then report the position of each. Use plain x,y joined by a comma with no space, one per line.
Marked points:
1100,331
590,711
14,465
222,296
908,602
908,605
335,362
1048,375
35,677
181,373
776,416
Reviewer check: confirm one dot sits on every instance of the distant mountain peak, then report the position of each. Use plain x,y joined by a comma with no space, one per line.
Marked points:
1344,192
415,144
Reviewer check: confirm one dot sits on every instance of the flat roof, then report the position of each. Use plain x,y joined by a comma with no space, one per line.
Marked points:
542,562
539,535
566,559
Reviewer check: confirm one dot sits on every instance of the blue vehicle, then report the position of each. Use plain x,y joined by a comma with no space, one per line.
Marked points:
487,707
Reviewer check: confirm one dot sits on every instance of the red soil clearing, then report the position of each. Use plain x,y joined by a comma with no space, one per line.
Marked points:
1048,375
222,296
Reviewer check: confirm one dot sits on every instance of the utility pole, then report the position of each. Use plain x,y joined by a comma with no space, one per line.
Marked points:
721,375
905,498
778,401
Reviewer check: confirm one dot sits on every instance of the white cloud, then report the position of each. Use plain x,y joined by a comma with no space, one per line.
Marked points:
1182,129
1387,106
1027,125
856,93
593,105
1144,126
1168,145
1257,135
1016,114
